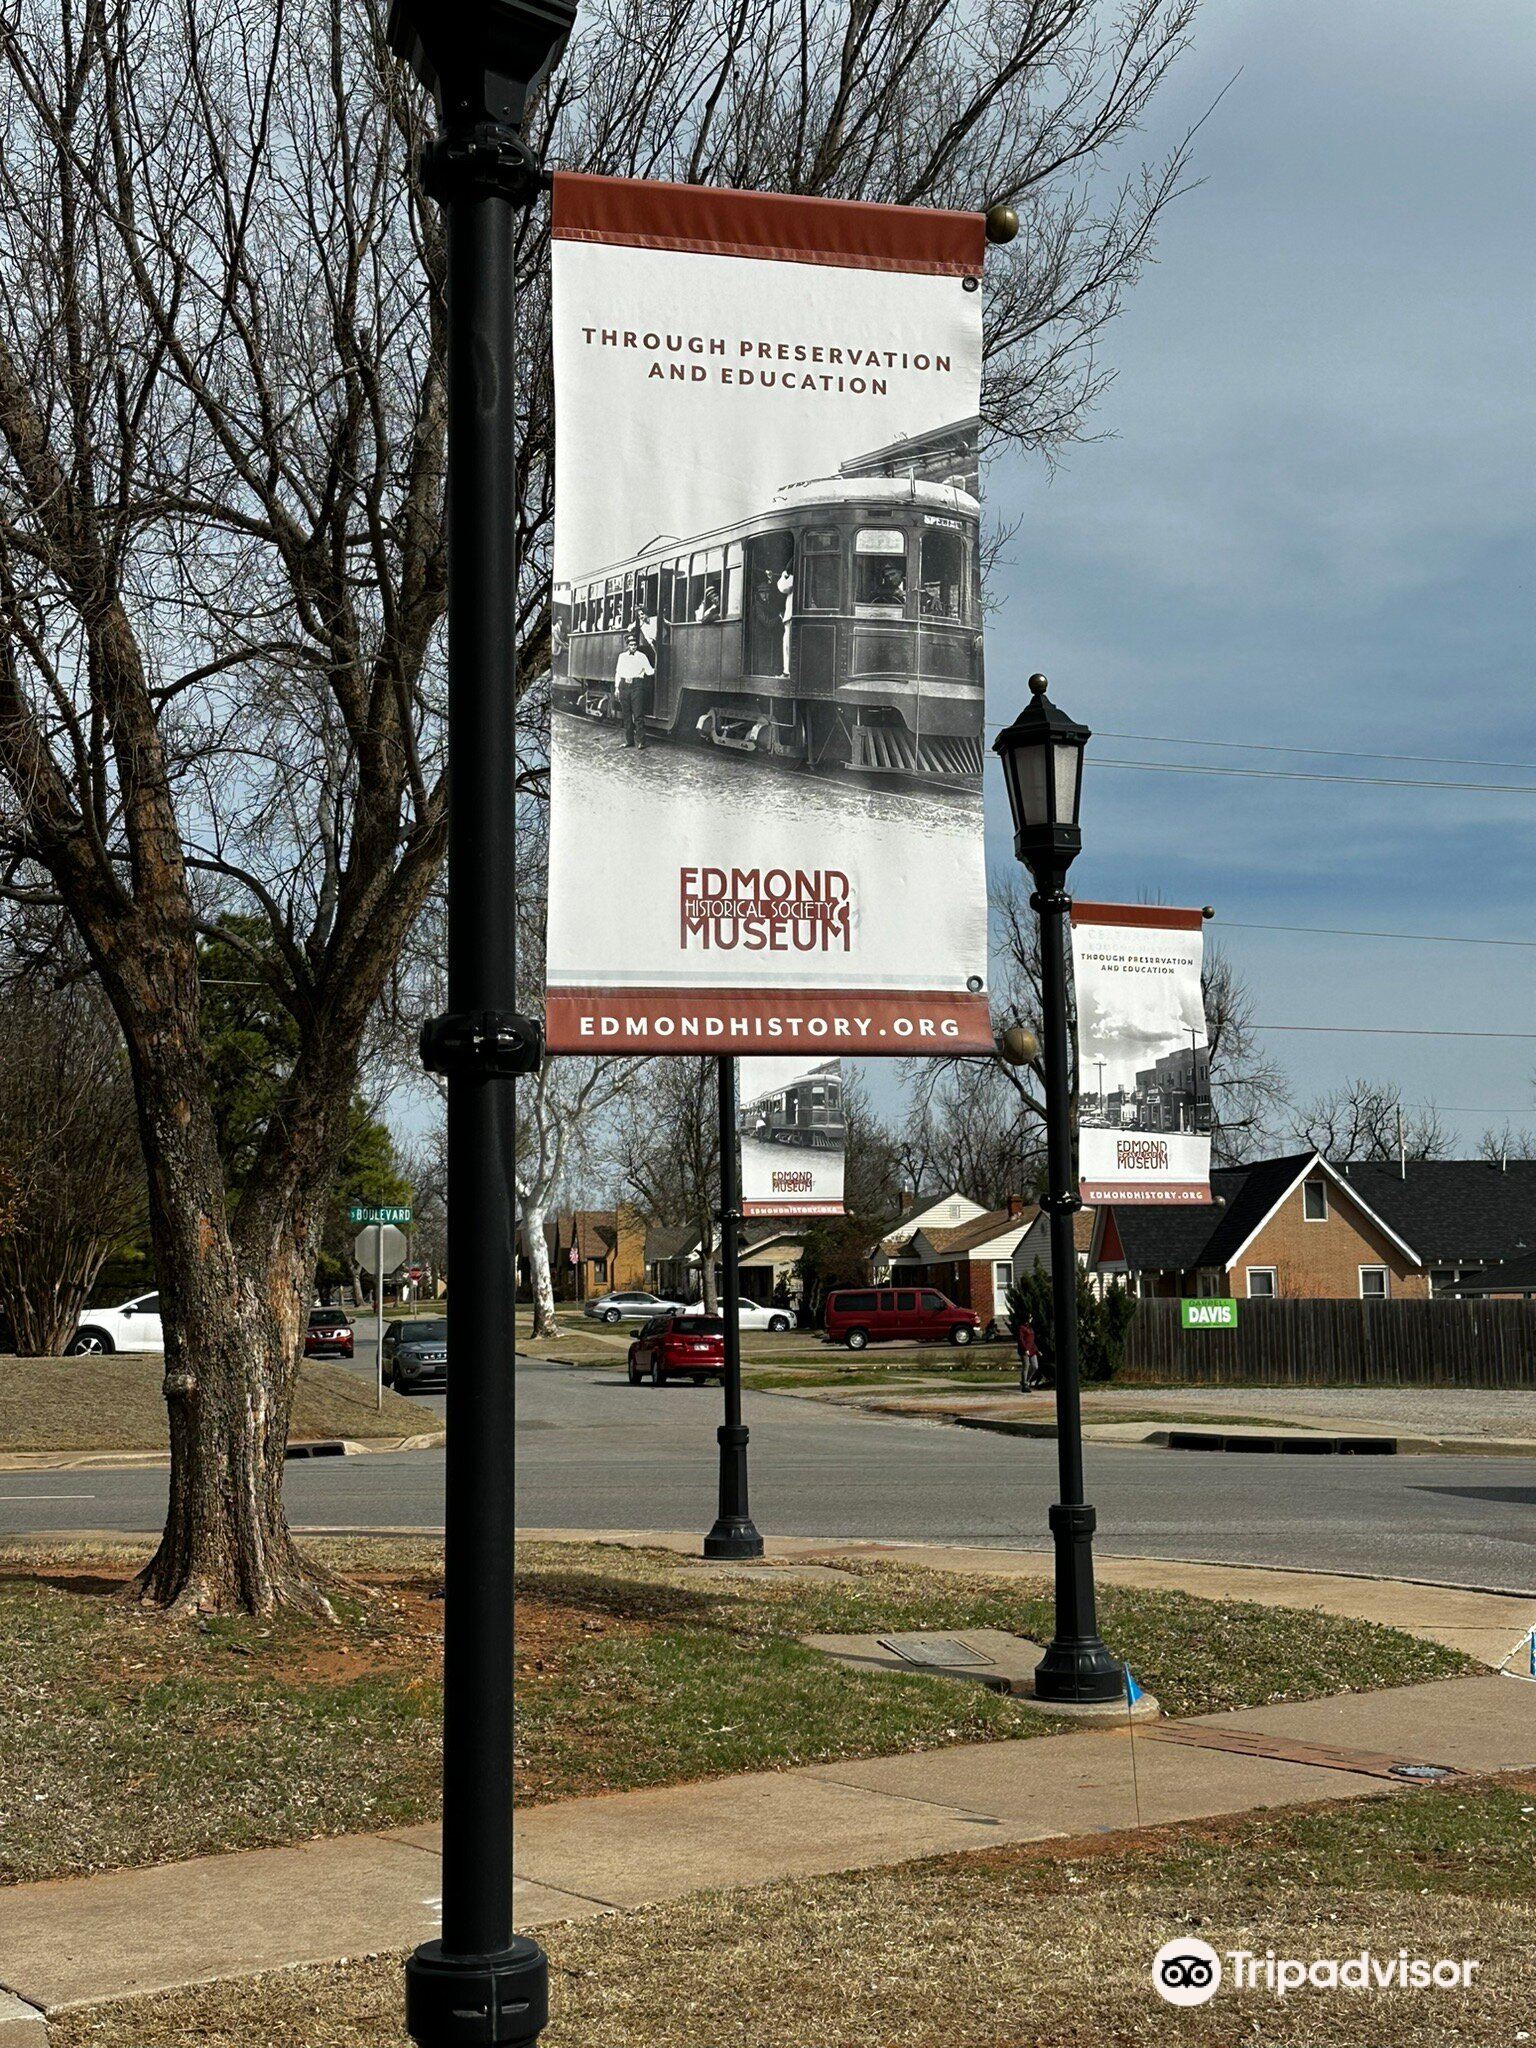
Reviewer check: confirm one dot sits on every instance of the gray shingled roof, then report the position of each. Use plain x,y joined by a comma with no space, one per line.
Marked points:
1454,1212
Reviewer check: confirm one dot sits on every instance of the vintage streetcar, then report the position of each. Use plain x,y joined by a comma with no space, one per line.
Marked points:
839,630
809,1112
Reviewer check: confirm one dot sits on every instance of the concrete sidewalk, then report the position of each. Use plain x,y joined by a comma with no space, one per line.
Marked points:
78,1940
1487,1422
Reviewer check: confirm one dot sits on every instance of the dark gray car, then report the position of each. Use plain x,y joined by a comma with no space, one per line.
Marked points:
416,1355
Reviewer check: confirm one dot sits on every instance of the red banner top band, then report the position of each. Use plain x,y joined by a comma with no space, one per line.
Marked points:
1154,916
713,220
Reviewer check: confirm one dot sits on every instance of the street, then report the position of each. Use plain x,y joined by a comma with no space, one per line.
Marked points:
596,1453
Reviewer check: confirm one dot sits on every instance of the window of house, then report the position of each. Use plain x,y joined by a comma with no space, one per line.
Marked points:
880,572
599,1269
1314,1201
1208,1284
821,570
1002,1280
954,1208
1373,1283
1261,1283
942,583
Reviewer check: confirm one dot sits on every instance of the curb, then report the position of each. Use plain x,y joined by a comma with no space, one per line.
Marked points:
148,1461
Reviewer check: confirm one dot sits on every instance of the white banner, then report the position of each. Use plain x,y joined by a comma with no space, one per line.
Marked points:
790,1119
767,735
1143,1062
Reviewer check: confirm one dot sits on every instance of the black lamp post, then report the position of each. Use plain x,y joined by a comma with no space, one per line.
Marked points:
1042,756
481,59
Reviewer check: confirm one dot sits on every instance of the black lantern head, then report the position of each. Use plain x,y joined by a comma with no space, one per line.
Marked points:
1042,757
480,59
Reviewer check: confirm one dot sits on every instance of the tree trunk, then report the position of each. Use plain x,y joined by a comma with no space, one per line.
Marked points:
537,1246
232,1335
707,1270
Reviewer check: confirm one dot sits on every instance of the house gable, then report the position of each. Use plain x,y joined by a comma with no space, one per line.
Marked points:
1321,1258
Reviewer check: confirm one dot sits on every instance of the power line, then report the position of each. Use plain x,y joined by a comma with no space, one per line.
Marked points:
1393,1031
1162,739
1307,775
1322,753
1332,931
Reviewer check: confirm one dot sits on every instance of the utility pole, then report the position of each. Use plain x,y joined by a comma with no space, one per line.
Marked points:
482,60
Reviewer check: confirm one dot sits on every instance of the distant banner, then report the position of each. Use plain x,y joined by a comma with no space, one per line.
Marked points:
792,1137
766,678
1143,1062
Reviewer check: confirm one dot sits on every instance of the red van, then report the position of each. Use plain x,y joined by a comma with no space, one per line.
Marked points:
857,1316
676,1347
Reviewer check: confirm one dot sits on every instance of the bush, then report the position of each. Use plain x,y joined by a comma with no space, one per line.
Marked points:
1102,1321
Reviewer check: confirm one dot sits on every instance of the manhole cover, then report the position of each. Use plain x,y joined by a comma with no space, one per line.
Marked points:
942,1652
1423,1771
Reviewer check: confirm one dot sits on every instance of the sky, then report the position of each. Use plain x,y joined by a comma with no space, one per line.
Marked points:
1306,521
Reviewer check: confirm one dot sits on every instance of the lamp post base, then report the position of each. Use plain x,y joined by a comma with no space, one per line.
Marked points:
501,2000
1076,1665
736,1537
734,1533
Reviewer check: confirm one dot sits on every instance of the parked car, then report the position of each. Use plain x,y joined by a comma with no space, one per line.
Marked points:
131,1326
755,1315
677,1346
416,1355
329,1334
857,1316
632,1307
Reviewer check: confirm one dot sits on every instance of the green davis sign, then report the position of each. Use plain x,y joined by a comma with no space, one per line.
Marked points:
1208,1315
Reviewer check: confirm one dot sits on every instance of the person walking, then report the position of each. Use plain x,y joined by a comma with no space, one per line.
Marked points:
1031,1367
632,686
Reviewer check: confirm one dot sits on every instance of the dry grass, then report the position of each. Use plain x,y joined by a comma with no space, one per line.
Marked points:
128,1739
1043,1947
116,1404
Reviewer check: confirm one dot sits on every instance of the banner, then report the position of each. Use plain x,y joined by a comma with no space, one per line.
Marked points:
793,1137
766,679
1143,1063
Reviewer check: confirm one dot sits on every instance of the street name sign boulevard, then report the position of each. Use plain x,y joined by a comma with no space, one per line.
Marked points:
1208,1315
386,1212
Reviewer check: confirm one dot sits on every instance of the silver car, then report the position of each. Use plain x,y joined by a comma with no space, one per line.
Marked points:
627,1308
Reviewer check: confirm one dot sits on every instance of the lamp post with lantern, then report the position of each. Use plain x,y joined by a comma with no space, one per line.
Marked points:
482,60
1042,757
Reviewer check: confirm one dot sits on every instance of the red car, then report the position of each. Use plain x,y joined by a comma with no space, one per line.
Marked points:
329,1334
857,1316
678,1347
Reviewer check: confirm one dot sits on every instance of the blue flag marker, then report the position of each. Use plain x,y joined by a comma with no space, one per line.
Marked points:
1133,1690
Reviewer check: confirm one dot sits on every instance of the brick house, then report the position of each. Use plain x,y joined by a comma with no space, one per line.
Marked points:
971,1262
597,1250
1295,1228
945,1209
1465,1218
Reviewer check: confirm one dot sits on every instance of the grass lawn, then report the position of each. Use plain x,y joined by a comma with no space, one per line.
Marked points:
125,1738
115,1403
1049,1944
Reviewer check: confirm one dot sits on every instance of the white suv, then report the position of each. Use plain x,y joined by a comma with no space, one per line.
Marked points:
134,1326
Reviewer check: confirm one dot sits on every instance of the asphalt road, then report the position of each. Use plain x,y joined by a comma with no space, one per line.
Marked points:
597,1453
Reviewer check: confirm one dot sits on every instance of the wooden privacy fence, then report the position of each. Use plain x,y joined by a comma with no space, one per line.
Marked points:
1339,1343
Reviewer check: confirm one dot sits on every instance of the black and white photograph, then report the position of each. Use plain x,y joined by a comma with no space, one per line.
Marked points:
793,1135
766,679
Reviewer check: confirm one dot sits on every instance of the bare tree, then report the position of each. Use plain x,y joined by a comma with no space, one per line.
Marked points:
221,552
871,1158
71,1172
665,1150
1369,1120
970,1126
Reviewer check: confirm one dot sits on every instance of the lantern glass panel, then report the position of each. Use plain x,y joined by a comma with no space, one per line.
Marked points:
1069,763
1031,798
